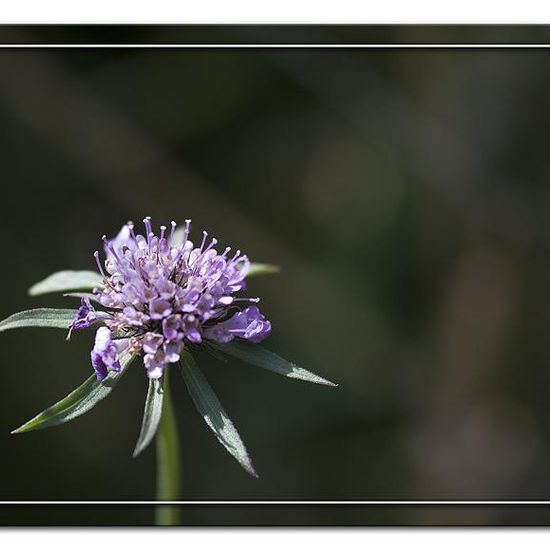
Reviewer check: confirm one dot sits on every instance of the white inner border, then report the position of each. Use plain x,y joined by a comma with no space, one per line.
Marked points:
271,12
277,502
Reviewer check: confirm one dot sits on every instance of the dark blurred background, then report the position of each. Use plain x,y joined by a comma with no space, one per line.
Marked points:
406,195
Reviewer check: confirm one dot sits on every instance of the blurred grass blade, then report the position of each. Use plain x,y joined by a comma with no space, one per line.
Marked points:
151,415
211,410
42,317
262,269
79,401
261,357
67,280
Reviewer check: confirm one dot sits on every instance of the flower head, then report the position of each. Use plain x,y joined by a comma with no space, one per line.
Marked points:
162,295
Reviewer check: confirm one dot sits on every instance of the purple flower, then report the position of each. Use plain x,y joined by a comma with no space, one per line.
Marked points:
105,353
162,296
84,316
249,324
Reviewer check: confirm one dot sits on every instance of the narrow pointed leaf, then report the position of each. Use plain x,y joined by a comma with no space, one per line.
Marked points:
79,401
211,410
261,357
262,269
151,415
67,280
43,317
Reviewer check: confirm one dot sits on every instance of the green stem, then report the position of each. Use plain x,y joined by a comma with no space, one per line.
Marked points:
168,460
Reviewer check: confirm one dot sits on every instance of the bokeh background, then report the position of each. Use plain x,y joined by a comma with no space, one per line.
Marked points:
406,195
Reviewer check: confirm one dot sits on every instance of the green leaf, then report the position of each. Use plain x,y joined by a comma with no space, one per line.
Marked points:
79,401
261,357
43,317
211,410
67,280
151,415
262,269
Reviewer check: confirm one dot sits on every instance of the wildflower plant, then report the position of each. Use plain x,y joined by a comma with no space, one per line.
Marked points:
163,299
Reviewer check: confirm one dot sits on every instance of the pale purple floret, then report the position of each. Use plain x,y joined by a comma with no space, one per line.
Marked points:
84,316
249,324
105,354
163,295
